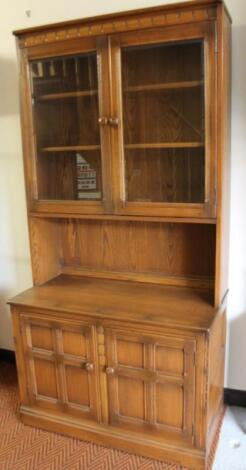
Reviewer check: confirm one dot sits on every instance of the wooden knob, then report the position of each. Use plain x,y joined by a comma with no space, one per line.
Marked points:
89,366
103,121
114,121
110,370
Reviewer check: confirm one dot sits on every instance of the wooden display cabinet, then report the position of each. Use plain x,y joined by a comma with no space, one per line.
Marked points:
126,139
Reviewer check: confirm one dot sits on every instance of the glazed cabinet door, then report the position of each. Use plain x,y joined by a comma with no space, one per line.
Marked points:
164,121
151,382
61,366
71,153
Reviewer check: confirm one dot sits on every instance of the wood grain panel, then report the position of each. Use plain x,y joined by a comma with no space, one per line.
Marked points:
45,249
131,397
74,343
169,398
77,386
130,353
42,337
171,249
169,360
45,376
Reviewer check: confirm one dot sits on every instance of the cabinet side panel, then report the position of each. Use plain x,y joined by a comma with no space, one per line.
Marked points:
45,249
20,357
216,375
224,149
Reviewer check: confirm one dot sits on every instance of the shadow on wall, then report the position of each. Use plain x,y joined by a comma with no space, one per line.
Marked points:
237,352
9,86
6,336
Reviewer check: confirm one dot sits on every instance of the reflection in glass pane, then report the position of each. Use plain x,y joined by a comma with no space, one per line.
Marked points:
169,175
164,122
65,110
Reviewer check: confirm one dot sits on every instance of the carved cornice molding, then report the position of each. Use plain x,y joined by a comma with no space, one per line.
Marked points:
55,33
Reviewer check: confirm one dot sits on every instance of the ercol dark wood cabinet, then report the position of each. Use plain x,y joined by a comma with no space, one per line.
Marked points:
126,142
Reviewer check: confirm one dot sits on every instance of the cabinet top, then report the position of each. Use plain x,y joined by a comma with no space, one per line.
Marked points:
165,15
123,300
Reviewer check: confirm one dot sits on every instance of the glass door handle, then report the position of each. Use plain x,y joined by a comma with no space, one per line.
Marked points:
103,121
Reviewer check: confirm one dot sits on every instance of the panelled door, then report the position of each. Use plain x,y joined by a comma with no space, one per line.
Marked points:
151,383
61,366
165,115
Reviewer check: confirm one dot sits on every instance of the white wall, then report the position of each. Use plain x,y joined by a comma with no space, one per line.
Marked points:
15,271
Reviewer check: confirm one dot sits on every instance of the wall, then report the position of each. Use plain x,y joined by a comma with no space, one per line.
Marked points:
15,271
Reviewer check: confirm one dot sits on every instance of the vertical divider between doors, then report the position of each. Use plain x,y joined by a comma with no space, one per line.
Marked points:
104,112
116,131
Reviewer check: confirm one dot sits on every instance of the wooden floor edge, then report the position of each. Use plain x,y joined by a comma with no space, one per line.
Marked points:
193,460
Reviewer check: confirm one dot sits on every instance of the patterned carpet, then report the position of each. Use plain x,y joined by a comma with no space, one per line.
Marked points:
26,448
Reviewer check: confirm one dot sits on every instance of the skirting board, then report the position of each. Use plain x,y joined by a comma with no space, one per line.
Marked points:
232,397
7,355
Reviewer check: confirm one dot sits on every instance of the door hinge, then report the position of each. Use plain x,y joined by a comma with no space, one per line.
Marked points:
193,430
194,358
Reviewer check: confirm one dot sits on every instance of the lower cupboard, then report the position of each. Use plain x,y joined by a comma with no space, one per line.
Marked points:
136,387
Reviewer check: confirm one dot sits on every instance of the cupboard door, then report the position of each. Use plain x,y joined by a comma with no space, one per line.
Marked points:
151,383
61,366
165,135
69,102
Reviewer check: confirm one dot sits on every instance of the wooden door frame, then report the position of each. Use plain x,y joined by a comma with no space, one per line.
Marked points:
206,31
62,49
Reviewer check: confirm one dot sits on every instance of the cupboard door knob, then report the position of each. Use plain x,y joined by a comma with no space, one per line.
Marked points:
89,366
103,121
114,121
110,370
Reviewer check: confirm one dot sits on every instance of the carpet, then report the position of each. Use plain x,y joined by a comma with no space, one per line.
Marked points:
25,448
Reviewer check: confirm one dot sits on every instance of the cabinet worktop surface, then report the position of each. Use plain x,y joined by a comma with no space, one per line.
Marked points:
123,300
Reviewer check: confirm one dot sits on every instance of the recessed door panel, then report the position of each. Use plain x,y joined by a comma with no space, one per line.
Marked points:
42,337
74,343
151,383
46,378
131,398
78,390
169,398
62,366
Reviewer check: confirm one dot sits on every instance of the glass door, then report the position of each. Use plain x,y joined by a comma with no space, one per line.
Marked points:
166,124
69,132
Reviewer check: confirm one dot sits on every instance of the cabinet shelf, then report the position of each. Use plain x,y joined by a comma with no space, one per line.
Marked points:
69,94
165,86
70,148
167,145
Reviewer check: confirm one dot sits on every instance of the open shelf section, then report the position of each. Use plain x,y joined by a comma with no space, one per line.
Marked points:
165,86
165,145
69,148
61,96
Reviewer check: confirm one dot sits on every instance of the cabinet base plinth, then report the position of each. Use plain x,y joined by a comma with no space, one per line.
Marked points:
106,436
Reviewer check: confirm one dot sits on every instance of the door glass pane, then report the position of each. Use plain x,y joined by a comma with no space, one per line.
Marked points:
164,122
65,110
